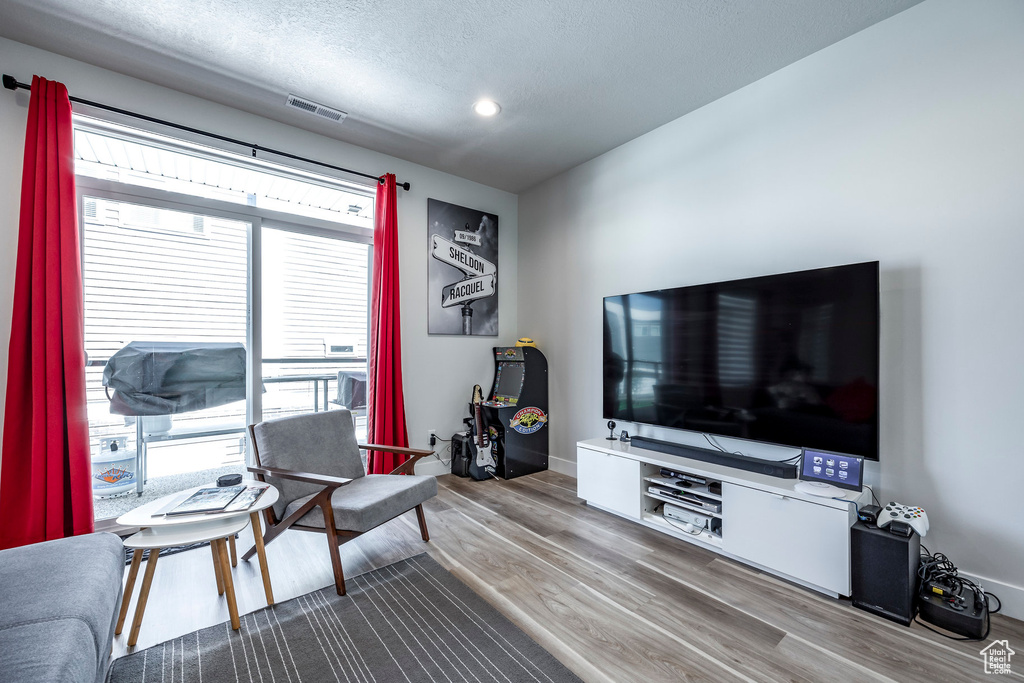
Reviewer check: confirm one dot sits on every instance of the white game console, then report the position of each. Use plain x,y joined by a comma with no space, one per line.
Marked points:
691,520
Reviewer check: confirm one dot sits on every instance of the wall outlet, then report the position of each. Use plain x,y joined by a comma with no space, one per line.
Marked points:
432,436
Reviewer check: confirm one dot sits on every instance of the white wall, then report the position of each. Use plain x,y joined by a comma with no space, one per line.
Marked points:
903,143
439,371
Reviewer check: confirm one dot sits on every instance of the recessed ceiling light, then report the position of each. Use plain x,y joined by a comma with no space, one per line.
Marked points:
486,107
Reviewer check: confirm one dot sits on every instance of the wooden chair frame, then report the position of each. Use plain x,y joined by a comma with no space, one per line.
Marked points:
335,536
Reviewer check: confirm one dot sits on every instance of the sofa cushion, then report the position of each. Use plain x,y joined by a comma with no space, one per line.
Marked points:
71,581
370,500
49,650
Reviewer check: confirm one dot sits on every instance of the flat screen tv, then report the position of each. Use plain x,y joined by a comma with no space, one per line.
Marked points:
787,359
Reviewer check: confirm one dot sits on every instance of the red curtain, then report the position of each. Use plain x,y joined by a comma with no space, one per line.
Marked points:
45,477
386,402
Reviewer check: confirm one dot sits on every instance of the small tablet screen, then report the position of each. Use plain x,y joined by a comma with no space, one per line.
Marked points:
844,471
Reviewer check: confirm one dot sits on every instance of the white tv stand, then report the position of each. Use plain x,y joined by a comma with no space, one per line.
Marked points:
766,522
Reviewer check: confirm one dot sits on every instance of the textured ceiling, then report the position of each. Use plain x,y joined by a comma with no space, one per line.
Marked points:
574,78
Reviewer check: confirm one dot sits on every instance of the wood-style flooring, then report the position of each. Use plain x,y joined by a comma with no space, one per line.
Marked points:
612,600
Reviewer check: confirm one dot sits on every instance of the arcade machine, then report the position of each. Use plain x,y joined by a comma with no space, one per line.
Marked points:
516,414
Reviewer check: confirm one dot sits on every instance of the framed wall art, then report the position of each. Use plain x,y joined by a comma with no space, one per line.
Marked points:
462,270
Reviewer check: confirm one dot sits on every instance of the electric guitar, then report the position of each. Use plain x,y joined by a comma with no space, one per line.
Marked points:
478,420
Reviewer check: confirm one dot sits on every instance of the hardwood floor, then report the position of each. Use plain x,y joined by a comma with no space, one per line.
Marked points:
612,600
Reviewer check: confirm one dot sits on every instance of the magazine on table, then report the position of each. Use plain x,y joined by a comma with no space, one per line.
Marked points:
213,499
247,498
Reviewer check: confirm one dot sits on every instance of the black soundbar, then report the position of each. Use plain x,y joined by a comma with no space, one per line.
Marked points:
781,470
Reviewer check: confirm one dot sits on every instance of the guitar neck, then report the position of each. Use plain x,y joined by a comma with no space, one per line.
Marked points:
479,426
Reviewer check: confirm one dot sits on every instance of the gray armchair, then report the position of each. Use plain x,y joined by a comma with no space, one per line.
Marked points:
314,462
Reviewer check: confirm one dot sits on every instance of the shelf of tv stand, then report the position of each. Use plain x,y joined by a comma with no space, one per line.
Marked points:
704,494
683,504
661,524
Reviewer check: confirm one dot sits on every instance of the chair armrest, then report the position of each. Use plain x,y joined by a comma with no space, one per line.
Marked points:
321,479
407,466
394,449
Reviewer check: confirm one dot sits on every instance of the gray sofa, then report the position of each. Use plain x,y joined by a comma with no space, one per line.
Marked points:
58,604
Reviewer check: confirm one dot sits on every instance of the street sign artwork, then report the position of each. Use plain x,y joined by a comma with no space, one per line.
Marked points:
458,257
468,290
462,270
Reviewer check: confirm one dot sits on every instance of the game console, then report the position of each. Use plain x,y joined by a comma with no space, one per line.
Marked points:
691,520
903,516
684,516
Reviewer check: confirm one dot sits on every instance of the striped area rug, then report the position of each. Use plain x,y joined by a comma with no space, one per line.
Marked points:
409,622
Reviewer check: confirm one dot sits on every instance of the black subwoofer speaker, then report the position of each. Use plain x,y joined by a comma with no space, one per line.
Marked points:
462,451
884,572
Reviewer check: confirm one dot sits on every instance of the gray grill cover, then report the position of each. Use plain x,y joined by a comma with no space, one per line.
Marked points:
351,389
164,378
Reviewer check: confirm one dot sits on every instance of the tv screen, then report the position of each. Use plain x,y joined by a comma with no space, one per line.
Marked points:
786,359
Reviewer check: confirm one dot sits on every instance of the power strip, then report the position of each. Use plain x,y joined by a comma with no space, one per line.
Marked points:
968,619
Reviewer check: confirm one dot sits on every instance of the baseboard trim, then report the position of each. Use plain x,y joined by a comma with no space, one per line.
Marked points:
562,466
432,467
435,468
1011,596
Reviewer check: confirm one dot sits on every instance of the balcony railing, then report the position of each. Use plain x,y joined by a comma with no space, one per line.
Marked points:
298,386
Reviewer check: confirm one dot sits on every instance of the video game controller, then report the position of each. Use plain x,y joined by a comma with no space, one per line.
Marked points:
916,518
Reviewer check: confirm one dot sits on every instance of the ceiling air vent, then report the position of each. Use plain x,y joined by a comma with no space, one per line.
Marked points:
317,109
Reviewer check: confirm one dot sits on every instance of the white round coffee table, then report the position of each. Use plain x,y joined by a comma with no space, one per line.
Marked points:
160,531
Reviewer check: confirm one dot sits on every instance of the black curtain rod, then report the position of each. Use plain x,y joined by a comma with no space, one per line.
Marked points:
11,83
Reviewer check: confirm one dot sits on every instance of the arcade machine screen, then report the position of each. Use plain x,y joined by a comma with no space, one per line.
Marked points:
510,383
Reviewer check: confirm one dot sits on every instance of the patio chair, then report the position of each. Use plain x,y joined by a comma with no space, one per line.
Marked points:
314,462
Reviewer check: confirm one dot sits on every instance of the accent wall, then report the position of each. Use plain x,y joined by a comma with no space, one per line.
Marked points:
903,143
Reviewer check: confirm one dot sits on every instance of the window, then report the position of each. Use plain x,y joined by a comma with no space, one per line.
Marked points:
189,246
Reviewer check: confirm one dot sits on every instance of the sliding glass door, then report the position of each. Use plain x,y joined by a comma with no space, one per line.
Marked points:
200,322
166,307
315,307
219,290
